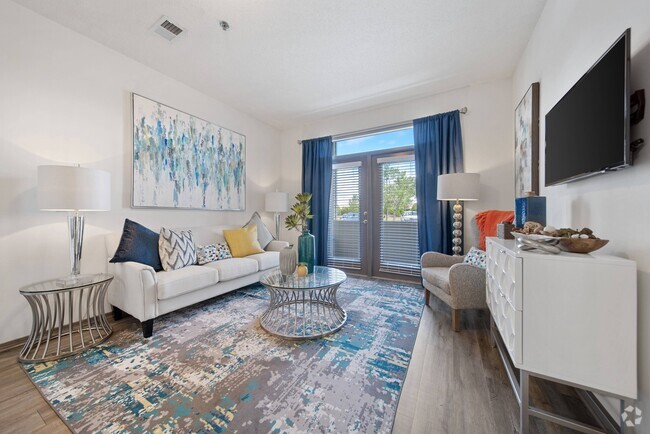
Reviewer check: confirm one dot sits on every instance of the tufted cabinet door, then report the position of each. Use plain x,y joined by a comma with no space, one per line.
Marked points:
504,296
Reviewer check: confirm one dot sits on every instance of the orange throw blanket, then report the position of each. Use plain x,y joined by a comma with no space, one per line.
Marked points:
487,222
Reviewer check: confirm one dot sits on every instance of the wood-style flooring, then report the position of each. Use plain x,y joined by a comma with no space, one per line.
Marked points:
455,384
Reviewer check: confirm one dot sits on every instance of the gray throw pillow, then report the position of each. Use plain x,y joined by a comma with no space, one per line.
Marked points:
176,249
264,236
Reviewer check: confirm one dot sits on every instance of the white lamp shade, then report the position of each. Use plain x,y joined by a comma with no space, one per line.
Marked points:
277,201
71,188
458,186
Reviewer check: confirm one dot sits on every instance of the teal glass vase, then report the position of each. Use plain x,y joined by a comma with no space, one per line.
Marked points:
306,247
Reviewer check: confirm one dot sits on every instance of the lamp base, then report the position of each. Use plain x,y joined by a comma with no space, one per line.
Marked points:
277,225
76,238
457,232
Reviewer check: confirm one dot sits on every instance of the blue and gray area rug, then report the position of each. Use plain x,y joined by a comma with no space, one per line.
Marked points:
211,368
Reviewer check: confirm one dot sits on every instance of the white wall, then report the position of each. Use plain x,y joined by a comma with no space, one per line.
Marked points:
66,99
487,138
568,39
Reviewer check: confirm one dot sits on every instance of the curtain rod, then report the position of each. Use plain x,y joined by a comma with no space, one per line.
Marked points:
384,128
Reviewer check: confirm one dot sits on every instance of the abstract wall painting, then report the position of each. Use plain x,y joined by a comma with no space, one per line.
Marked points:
181,161
527,143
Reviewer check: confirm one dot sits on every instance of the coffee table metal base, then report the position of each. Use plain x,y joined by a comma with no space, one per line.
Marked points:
303,314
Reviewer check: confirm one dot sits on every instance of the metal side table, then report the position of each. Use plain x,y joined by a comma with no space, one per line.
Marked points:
67,317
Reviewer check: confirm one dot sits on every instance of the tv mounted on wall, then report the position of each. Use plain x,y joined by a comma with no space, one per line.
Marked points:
588,130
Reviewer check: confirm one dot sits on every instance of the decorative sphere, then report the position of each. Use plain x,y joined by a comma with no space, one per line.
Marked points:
456,241
457,233
457,225
302,270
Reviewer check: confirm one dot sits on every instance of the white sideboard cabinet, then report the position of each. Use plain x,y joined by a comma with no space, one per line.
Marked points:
570,318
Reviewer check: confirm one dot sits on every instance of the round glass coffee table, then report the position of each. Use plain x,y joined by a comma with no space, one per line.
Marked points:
303,307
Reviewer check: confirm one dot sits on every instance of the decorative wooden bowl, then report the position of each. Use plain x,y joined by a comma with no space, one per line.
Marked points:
581,245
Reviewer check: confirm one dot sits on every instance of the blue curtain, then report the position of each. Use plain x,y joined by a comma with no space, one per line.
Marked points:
438,151
317,180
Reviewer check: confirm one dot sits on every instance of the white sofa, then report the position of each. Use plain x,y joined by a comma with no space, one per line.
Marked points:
146,294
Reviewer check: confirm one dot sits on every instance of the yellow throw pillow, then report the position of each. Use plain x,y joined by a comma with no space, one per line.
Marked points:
243,242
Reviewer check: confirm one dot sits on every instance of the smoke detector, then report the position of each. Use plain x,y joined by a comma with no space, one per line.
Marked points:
167,29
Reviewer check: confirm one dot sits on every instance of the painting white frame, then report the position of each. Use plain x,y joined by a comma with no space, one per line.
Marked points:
191,164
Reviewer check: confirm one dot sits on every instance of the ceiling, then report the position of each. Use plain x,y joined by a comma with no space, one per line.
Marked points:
290,61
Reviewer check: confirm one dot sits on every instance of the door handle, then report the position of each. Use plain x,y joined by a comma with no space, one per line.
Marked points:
365,221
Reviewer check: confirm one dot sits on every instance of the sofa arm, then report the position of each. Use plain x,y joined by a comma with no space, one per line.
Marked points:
435,259
276,246
134,289
467,286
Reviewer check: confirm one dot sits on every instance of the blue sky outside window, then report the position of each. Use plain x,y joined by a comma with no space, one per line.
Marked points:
375,142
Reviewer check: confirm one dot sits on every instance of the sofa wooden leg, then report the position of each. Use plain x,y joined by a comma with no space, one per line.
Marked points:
455,319
427,296
117,313
147,328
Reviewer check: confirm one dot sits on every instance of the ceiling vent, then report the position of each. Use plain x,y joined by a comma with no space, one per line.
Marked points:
167,29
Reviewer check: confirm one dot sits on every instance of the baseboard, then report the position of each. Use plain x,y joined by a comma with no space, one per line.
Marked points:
19,342
10,345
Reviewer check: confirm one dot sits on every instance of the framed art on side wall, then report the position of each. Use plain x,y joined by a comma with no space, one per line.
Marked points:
527,143
181,161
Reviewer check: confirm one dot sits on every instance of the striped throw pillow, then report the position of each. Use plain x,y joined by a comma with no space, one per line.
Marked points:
176,249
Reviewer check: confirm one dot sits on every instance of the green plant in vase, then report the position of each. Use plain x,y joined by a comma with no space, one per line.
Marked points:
298,221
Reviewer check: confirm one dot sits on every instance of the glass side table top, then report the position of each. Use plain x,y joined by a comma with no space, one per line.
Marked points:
321,277
55,285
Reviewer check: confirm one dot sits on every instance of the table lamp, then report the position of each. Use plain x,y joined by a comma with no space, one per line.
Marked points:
277,202
458,186
74,189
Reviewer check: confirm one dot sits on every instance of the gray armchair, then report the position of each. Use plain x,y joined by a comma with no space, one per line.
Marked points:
459,285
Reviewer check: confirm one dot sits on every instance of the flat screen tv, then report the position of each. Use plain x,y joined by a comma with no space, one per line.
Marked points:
587,131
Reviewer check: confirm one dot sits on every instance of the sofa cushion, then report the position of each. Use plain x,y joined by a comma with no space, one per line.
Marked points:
212,252
266,260
187,279
475,257
438,276
138,244
233,268
243,242
176,249
264,236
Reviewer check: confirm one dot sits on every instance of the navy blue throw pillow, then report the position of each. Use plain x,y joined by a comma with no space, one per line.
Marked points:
138,244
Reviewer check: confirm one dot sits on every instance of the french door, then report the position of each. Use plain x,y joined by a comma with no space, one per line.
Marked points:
348,219
373,215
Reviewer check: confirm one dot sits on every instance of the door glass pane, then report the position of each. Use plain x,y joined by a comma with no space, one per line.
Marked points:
344,246
398,234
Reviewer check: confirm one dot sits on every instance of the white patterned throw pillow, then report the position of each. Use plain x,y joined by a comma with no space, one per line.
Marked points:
475,257
176,249
212,252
